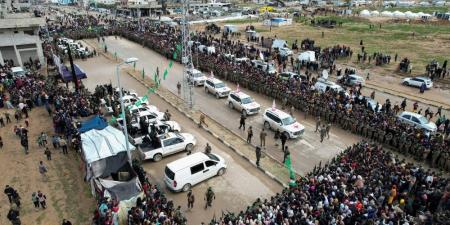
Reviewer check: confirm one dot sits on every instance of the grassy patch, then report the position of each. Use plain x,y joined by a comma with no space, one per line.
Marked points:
41,217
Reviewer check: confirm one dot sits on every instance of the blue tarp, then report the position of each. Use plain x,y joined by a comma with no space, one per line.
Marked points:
97,123
67,74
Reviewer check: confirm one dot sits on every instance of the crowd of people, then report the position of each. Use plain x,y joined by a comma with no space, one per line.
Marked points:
338,108
434,71
362,185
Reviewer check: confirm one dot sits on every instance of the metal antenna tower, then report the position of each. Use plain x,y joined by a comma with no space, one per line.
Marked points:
188,94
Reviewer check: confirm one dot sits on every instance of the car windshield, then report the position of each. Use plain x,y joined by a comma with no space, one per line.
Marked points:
197,75
220,85
423,120
247,100
213,157
288,120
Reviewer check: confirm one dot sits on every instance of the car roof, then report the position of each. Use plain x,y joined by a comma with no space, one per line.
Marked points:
187,161
423,78
411,113
289,72
240,94
278,112
214,80
16,69
356,76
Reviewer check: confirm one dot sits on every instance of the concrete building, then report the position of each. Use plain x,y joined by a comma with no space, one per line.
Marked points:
19,38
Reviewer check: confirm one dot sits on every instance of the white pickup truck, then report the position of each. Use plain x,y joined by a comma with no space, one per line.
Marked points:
167,144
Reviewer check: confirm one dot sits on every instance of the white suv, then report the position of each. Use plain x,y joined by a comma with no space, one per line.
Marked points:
242,102
216,87
196,77
276,119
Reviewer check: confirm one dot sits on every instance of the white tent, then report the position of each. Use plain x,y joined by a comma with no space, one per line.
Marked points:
375,13
101,144
387,14
365,13
398,14
308,56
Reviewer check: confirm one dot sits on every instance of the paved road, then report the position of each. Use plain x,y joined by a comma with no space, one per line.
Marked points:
306,152
237,188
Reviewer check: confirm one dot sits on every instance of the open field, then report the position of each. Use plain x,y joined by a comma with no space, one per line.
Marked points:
420,42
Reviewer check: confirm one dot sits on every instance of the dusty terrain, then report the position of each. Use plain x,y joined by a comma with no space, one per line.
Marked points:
67,194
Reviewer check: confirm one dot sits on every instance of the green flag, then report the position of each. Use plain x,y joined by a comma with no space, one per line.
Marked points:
170,64
288,165
144,98
143,73
179,48
175,55
165,74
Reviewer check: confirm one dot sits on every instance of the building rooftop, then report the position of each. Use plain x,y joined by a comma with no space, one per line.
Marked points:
21,20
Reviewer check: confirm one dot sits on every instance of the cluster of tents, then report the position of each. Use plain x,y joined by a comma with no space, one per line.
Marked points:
396,14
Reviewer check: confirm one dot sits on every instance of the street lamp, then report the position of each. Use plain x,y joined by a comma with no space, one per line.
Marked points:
127,61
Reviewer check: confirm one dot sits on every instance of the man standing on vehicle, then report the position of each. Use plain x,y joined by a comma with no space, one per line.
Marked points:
167,115
209,196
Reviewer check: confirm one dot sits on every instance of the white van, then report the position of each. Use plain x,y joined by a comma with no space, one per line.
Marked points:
182,174
18,71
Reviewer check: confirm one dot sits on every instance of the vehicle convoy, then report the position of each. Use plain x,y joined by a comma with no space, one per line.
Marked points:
196,77
242,102
278,120
166,144
216,87
182,174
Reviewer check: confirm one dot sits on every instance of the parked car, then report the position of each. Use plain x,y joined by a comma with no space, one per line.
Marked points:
266,67
417,120
182,174
216,87
418,81
196,77
161,128
371,103
288,75
322,85
142,108
131,100
243,103
18,72
353,80
276,119
167,144
149,117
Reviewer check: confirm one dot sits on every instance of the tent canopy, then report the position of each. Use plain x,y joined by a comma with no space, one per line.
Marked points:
67,74
278,43
96,122
101,144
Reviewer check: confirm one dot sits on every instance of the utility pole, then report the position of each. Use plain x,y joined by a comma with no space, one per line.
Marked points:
186,57
72,68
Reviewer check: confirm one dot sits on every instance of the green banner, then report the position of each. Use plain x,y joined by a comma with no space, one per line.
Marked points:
165,74
170,64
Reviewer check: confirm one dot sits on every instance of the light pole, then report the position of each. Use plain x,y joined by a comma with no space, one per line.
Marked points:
127,61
